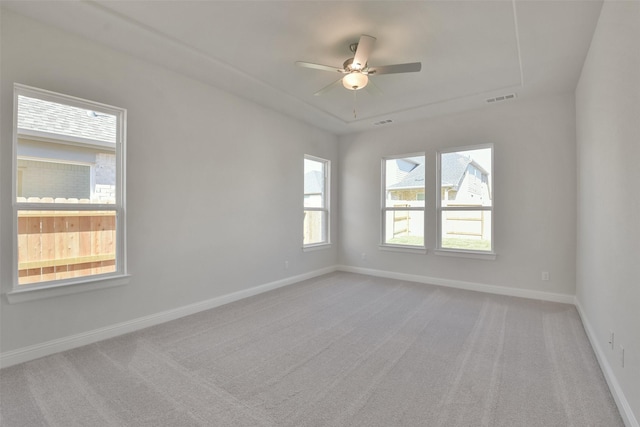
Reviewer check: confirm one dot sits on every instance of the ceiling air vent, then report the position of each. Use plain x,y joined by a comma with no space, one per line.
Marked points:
383,122
501,98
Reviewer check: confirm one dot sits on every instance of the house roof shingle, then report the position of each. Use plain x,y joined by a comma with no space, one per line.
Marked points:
51,117
413,179
453,167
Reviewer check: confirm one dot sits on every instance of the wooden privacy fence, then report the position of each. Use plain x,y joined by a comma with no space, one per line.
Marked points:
466,224
401,221
55,245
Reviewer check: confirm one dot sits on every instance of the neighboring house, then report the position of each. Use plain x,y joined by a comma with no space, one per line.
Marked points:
464,181
410,187
397,169
65,152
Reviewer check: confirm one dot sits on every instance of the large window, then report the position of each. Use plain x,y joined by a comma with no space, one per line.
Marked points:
68,187
465,217
403,201
316,201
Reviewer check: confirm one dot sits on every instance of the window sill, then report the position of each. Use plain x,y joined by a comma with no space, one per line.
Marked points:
318,247
406,249
490,256
55,290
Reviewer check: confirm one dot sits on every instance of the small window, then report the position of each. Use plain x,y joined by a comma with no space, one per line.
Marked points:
403,201
316,202
465,217
68,184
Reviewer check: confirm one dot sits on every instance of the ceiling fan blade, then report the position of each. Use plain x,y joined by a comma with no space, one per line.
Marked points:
318,66
329,87
365,46
411,67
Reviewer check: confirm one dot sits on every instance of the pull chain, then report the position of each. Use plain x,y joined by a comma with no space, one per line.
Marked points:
355,101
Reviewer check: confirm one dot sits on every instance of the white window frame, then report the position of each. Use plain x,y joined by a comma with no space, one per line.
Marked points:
464,253
326,209
384,209
26,292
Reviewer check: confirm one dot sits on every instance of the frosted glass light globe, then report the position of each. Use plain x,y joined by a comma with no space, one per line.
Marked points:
355,80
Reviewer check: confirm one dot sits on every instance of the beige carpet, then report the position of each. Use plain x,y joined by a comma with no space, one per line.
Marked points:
339,350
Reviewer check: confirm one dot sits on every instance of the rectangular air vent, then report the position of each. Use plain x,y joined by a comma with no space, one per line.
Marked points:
502,98
383,122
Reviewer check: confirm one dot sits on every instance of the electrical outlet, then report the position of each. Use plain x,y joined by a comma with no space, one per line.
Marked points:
611,338
545,276
363,255
286,265
622,356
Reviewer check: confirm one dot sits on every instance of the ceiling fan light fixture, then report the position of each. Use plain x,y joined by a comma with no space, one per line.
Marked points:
355,80
356,70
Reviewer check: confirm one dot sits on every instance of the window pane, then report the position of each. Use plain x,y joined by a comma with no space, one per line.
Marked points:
314,182
315,227
54,245
404,228
466,178
468,230
404,182
64,153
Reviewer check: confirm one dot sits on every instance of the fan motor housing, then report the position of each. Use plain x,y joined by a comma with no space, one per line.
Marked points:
347,65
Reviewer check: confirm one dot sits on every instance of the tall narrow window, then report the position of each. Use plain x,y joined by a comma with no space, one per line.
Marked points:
465,206
316,201
68,185
403,201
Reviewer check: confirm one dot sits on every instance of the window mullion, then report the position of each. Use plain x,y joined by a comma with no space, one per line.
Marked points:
408,208
64,207
466,208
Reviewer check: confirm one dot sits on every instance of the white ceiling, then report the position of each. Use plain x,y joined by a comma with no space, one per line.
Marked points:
470,50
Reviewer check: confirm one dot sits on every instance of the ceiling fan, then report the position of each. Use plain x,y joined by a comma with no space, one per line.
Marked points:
356,70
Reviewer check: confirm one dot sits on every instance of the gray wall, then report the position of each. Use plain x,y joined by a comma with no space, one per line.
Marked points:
608,135
534,194
214,185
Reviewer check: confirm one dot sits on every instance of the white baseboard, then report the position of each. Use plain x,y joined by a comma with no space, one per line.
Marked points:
626,412
32,352
471,286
